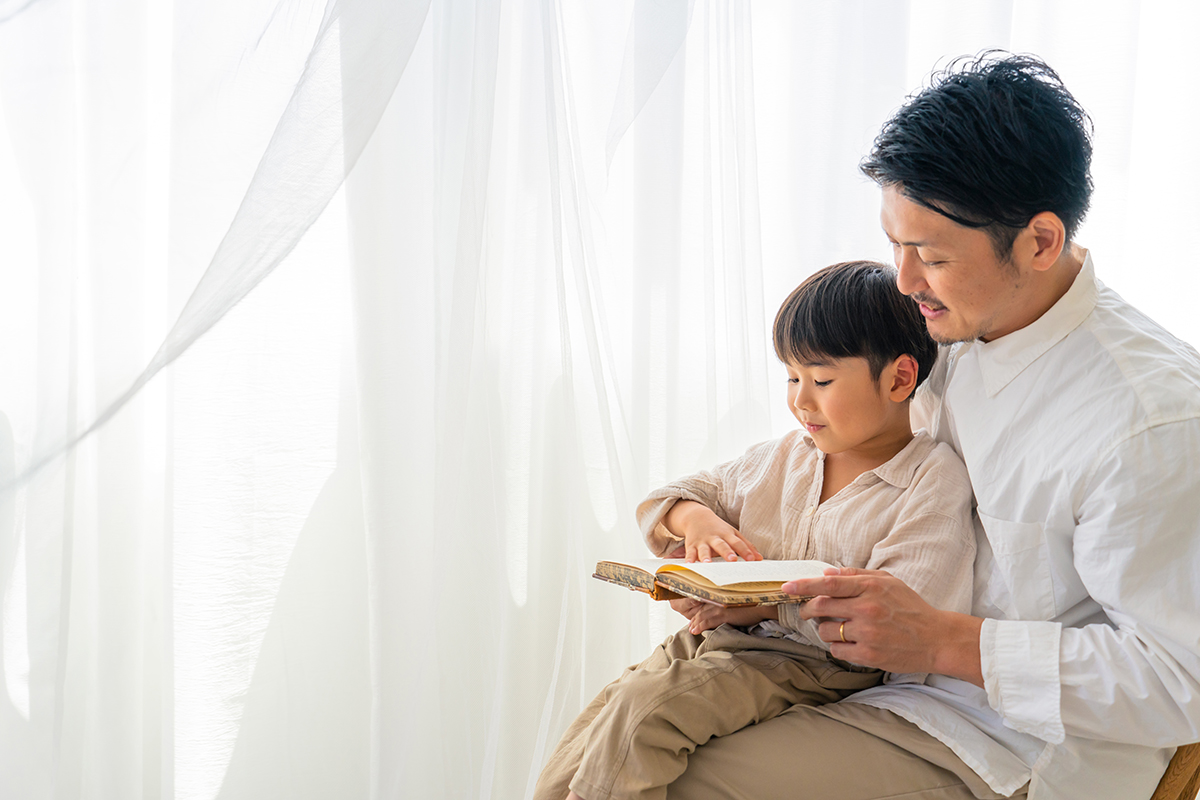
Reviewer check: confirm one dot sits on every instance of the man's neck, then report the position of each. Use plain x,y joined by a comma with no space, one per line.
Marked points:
1045,288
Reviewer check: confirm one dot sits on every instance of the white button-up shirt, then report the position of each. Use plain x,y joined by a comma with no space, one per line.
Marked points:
1081,434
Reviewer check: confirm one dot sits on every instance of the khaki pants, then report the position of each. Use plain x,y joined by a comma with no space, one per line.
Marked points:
635,737
841,751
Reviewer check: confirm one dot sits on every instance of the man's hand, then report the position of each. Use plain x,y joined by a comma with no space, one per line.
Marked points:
871,618
705,535
709,616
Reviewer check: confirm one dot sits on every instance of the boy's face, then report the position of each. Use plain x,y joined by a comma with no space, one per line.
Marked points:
841,406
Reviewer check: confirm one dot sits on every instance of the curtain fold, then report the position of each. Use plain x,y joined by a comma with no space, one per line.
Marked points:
528,256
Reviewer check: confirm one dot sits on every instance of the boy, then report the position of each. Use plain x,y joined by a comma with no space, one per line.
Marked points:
855,488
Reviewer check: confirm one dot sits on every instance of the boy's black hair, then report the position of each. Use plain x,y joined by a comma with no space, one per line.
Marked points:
990,143
853,310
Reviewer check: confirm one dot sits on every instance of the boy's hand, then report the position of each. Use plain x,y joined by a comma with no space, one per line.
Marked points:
687,606
710,616
705,535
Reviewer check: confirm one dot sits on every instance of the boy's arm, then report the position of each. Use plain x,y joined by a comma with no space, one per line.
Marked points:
704,509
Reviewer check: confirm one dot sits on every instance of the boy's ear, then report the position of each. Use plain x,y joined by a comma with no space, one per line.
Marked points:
902,378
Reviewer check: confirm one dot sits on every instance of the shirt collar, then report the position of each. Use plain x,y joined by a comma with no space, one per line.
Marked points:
900,468
1001,360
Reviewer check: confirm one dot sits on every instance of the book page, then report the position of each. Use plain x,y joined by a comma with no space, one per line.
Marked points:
723,573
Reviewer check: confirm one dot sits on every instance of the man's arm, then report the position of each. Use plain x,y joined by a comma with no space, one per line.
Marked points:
889,626
1136,549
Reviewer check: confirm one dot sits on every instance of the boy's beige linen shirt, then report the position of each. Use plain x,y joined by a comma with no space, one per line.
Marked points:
911,516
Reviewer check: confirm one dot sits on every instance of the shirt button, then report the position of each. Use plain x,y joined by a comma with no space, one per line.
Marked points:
808,512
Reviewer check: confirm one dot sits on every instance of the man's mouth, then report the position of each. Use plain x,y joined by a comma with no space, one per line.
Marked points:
930,308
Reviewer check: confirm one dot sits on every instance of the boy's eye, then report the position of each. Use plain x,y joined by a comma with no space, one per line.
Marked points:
793,380
822,383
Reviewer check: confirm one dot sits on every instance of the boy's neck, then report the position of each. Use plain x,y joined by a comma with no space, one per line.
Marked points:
842,468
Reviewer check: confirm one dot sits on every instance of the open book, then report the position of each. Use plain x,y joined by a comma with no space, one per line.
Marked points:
726,583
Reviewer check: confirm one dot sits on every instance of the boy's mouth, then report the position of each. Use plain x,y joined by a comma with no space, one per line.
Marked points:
812,428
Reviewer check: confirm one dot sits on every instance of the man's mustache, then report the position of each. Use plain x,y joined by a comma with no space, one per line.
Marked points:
927,300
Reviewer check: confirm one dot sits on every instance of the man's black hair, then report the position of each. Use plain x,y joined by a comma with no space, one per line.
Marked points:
991,142
853,310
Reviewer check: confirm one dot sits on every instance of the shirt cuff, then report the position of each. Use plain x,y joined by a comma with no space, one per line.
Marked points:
650,514
1020,673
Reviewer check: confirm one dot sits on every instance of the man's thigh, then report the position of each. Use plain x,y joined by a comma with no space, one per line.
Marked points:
806,755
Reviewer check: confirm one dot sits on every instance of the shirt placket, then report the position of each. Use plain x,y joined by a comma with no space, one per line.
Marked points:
808,515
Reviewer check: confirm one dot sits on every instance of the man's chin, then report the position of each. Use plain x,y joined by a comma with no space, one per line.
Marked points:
944,334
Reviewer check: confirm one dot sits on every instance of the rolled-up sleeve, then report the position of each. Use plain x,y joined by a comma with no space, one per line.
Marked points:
722,489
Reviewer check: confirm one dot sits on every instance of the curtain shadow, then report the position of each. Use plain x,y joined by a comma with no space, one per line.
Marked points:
13,8
305,729
656,36
17,744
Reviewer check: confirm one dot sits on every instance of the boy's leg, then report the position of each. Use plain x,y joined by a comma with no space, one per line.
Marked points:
555,779
653,718
553,782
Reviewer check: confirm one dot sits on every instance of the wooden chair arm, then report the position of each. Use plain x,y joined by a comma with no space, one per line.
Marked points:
1181,781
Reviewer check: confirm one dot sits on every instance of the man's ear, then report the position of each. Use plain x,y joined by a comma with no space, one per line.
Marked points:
902,378
1047,238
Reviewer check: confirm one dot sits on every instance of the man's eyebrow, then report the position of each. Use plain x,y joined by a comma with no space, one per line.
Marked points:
921,243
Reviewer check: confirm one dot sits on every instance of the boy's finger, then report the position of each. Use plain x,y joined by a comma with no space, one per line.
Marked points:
721,548
703,553
746,550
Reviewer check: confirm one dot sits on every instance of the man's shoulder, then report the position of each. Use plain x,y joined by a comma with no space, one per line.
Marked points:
1136,358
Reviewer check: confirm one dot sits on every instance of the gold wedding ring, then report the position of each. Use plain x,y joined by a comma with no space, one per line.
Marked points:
842,632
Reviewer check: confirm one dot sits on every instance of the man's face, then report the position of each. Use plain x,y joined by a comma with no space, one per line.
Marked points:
964,290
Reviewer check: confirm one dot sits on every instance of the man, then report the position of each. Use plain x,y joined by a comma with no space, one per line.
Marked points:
1079,420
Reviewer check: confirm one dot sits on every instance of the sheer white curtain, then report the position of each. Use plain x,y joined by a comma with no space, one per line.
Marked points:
341,546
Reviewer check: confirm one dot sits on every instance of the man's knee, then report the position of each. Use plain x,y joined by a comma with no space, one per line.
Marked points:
804,754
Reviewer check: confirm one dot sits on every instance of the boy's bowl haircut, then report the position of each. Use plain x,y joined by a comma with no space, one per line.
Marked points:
853,310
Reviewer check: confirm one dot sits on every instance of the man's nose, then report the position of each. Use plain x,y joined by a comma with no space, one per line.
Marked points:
910,271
